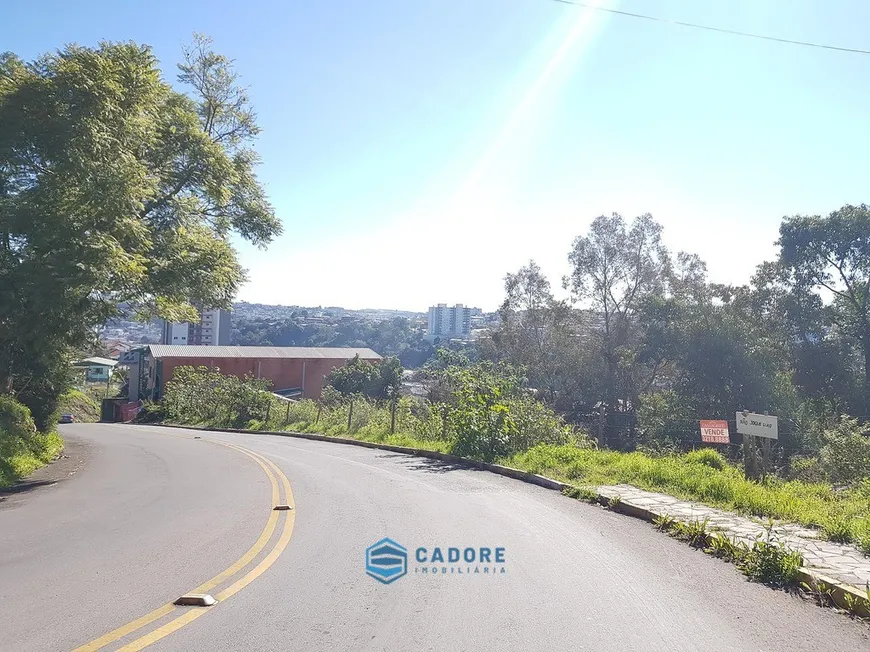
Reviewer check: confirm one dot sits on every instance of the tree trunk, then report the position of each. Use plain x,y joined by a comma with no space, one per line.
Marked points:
866,345
612,400
393,417
349,416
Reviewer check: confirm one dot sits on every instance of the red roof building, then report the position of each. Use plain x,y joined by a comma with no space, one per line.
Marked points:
293,370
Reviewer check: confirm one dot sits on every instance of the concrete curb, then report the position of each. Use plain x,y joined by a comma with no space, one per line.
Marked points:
838,592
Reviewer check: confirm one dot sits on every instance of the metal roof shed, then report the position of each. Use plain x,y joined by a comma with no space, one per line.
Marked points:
294,352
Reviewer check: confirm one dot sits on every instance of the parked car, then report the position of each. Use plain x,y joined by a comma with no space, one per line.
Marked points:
67,418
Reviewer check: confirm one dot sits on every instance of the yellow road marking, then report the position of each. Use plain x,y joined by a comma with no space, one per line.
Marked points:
269,559
258,546
129,628
191,615
243,561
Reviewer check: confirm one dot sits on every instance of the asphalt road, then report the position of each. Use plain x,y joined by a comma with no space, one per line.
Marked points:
153,513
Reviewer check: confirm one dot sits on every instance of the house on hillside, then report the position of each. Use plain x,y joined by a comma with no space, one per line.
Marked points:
97,370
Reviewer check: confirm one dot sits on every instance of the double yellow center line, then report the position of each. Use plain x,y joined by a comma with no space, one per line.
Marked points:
189,614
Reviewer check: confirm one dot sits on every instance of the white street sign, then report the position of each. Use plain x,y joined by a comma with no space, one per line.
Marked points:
758,425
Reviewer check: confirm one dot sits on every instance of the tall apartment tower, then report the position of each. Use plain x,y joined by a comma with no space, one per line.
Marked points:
449,321
212,329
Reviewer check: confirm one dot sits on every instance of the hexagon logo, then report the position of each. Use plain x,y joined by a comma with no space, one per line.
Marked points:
386,561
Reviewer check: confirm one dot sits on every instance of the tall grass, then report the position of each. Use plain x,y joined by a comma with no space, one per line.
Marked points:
707,477
417,425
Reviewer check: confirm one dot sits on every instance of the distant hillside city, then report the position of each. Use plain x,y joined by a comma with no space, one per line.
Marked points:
411,336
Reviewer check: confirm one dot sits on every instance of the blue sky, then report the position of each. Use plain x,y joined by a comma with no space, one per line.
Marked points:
418,150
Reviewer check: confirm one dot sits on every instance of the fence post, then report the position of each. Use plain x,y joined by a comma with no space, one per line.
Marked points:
287,416
747,472
601,441
349,415
750,471
393,417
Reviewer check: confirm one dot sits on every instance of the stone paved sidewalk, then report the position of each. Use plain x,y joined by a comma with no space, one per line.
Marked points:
840,562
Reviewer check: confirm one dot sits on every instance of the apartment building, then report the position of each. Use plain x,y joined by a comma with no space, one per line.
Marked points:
212,329
448,321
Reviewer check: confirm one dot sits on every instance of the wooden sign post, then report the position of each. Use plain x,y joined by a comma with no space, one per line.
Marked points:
751,426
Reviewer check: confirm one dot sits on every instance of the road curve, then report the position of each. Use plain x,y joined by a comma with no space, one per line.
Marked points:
155,512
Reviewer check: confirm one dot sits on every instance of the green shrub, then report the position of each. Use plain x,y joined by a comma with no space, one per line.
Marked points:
204,395
22,448
490,416
771,563
151,412
17,428
304,411
806,469
664,522
723,547
694,533
708,457
484,433
845,455
537,424
662,419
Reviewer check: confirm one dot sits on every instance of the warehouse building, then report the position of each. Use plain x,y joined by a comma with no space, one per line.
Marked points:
294,370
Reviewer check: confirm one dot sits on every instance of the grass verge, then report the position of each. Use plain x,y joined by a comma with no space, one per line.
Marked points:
80,405
375,436
42,449
705,477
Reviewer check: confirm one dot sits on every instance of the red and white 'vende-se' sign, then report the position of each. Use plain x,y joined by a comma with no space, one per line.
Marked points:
715,432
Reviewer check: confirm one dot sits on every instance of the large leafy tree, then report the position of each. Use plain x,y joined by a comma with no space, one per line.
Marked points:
358,377
831,255
116,188
616,268
718,350
825,356
536,332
